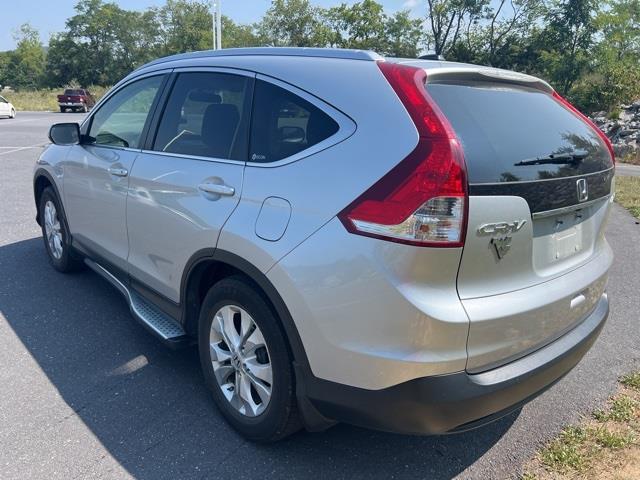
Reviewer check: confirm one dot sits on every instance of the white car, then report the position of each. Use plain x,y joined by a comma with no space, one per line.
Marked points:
6,108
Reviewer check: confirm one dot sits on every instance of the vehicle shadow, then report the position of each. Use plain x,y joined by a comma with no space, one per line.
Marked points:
147,406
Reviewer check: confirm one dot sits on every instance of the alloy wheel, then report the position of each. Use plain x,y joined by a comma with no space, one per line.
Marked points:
241,361
53,230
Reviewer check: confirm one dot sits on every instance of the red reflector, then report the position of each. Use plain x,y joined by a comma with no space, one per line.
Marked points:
423,199
564,102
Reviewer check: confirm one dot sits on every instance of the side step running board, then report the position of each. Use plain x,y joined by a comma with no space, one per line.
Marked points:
159,323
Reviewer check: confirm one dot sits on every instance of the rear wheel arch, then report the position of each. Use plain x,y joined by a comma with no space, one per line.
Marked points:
209,266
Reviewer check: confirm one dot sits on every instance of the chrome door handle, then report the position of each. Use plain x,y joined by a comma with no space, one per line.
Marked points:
119,172
217,189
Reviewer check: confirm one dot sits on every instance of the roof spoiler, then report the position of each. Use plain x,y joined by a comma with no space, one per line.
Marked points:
475,73
432,56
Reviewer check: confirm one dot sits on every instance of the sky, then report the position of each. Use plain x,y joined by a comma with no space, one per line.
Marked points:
49,16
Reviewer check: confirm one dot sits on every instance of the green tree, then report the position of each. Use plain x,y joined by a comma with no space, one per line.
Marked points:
508,23
568,41
65,61
5,59
235,35
293,23
448,20
186,26
405,36
26,63
619,23
361,25
107,39
614,75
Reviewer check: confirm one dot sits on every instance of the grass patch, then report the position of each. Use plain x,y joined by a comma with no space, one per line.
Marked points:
631,380
605,446
613,440
621,409
566,452
628,194
44,99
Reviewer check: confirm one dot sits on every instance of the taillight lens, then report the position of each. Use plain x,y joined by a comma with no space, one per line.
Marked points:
423,200
564,102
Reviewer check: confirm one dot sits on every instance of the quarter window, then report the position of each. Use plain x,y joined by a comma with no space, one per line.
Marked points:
206,116
284,124
121,119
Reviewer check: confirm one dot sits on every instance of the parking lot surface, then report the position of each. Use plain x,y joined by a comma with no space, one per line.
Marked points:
86,392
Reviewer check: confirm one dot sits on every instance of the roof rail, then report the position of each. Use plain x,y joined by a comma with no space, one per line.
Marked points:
343,53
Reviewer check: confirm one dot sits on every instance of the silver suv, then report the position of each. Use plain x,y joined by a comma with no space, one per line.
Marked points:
408,245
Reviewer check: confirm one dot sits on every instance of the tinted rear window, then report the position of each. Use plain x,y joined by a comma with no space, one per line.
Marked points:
285,124
500,126
74,92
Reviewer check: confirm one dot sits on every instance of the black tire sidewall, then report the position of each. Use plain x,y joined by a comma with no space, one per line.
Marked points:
272,424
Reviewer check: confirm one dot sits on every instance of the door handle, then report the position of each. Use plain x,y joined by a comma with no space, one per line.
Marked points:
217,189
118,172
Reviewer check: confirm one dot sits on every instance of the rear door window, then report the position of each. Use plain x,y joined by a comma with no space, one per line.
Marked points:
207,115
501,126
284,124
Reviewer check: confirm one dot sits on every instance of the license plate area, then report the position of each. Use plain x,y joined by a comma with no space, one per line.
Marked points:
567,239
563,240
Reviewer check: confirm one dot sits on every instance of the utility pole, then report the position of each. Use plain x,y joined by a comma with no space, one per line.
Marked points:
216,16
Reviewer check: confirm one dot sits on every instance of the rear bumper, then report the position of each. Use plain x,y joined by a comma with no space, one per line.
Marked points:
459,401
71,104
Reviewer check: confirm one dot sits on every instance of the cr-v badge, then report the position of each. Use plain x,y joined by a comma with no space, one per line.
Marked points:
501,234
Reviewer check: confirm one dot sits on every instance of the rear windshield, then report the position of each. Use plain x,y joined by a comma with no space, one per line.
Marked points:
74,92
501,126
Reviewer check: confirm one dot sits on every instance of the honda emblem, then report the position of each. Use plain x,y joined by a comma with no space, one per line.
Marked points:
583,190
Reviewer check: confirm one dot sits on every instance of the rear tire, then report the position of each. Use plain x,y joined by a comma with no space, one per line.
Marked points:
62,109
55,233
12,114
251,380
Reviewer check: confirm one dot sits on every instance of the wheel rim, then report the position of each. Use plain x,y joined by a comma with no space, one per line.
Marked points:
241,360
52,230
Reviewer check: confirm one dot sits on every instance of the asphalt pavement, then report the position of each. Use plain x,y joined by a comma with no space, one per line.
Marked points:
628,170
86,392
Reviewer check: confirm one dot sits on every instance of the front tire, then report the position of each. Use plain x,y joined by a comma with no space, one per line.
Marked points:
57,240
12,114
246,363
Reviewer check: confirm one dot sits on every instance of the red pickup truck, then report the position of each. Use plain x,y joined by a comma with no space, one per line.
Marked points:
76,99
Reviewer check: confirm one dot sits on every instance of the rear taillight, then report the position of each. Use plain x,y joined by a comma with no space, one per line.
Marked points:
423,200
564,102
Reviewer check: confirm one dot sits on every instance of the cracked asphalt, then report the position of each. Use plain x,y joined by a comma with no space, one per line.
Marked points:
86,392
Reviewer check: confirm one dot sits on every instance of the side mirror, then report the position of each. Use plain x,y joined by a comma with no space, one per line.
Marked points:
65,134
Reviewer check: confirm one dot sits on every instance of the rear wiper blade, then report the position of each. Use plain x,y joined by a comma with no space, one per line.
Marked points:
555,159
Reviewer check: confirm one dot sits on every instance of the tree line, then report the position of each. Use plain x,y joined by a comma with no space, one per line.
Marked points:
588,50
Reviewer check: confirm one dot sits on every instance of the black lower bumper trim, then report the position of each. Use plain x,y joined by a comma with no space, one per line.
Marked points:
459,401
